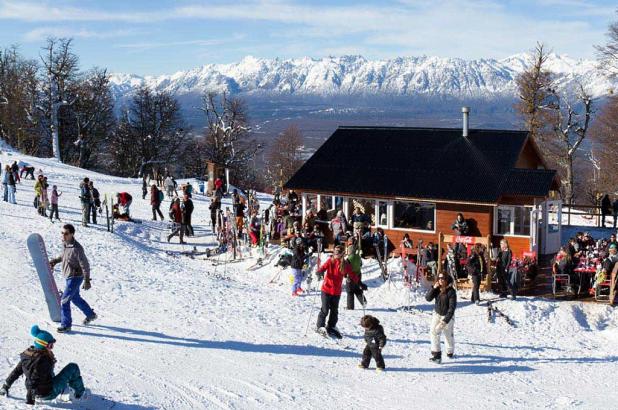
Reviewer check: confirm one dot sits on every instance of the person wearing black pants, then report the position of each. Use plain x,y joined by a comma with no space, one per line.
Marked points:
475,271
375,339
502,268
155,202
336,269
355,289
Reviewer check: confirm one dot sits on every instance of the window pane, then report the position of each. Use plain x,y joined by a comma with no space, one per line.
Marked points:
414,215
367,207
312,202
326,202
522,221
339,203
383,213
504,221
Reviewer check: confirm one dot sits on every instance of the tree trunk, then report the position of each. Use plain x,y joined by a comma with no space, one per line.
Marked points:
570,181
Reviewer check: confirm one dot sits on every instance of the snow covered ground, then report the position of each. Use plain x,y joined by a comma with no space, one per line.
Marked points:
181,333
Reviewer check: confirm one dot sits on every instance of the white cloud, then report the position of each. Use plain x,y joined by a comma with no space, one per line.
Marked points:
463,28
42,33
165,44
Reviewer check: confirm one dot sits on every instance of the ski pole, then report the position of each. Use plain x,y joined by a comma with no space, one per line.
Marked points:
312,309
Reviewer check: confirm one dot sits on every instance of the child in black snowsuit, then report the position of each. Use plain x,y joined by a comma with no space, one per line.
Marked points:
375,339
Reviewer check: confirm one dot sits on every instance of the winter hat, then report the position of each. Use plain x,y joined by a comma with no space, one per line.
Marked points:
42,338
613,245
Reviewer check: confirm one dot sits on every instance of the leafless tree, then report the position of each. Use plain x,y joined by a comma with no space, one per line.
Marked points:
284,156
533,85
150,130
228,140
608,53
571,121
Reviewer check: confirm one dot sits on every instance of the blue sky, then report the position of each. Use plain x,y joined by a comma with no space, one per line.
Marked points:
155,37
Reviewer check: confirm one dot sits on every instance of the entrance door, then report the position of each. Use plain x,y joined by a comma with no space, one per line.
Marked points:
552,227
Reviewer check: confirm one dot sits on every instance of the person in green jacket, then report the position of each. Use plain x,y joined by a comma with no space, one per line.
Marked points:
353,255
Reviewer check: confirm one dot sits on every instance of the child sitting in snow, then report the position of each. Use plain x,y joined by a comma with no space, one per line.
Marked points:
375,339
37,364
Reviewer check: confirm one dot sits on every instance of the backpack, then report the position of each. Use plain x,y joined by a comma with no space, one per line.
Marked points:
161,196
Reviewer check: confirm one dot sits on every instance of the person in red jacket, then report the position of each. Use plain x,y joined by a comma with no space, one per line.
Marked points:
336,269
156,196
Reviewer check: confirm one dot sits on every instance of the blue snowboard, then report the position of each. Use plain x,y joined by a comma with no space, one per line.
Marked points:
36,246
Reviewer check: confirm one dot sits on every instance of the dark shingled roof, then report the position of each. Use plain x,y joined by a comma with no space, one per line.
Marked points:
426,163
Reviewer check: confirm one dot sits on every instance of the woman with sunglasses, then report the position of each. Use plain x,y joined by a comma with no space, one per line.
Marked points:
443,320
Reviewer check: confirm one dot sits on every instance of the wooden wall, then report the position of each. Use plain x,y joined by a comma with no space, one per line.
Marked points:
479,219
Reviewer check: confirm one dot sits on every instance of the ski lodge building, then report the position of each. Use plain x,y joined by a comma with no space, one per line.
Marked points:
416,181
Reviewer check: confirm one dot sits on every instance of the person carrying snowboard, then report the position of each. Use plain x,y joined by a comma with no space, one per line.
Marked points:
37,365
442,320
375,339
75,269
335,269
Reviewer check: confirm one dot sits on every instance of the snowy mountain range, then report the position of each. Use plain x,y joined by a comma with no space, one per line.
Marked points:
355,75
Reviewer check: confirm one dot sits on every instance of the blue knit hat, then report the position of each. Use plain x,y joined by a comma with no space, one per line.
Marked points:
42,338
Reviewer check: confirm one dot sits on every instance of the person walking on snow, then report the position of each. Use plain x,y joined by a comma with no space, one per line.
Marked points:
75,269
54,203
86,198
298,261
5,183
95,204
353,288
375,340
335,268
37,365
12,188
156,196
176,217
443,320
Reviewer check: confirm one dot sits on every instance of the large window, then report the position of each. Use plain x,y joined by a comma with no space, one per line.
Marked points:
367,207
512,220
382,213
414,215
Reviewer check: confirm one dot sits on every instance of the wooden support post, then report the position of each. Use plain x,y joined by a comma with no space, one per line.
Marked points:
440,240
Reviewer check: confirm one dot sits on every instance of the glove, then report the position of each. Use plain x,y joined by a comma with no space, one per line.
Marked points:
441,326
86,284
52,264
4,391
363,286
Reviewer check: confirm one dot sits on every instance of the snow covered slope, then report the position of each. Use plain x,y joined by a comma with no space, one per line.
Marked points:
355,75
178,333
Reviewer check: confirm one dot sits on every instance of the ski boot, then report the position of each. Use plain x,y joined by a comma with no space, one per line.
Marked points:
64,329
379,369
90,319
450,355
436,357
334,332
362,366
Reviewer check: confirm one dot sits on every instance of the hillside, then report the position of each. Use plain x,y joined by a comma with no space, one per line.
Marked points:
181,333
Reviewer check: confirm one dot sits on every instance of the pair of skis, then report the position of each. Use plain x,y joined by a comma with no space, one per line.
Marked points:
382,260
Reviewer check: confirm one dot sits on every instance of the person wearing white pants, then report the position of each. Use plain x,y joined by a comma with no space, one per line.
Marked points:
442,321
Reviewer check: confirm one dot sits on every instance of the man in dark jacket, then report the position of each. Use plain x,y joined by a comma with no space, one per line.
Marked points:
75,269
37,365
606,208
85,195
187,211
375,339
95,205
443,320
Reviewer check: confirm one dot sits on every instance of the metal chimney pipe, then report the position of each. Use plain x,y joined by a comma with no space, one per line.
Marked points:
466,114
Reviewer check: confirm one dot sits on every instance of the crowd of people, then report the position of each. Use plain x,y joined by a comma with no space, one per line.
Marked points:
586,262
